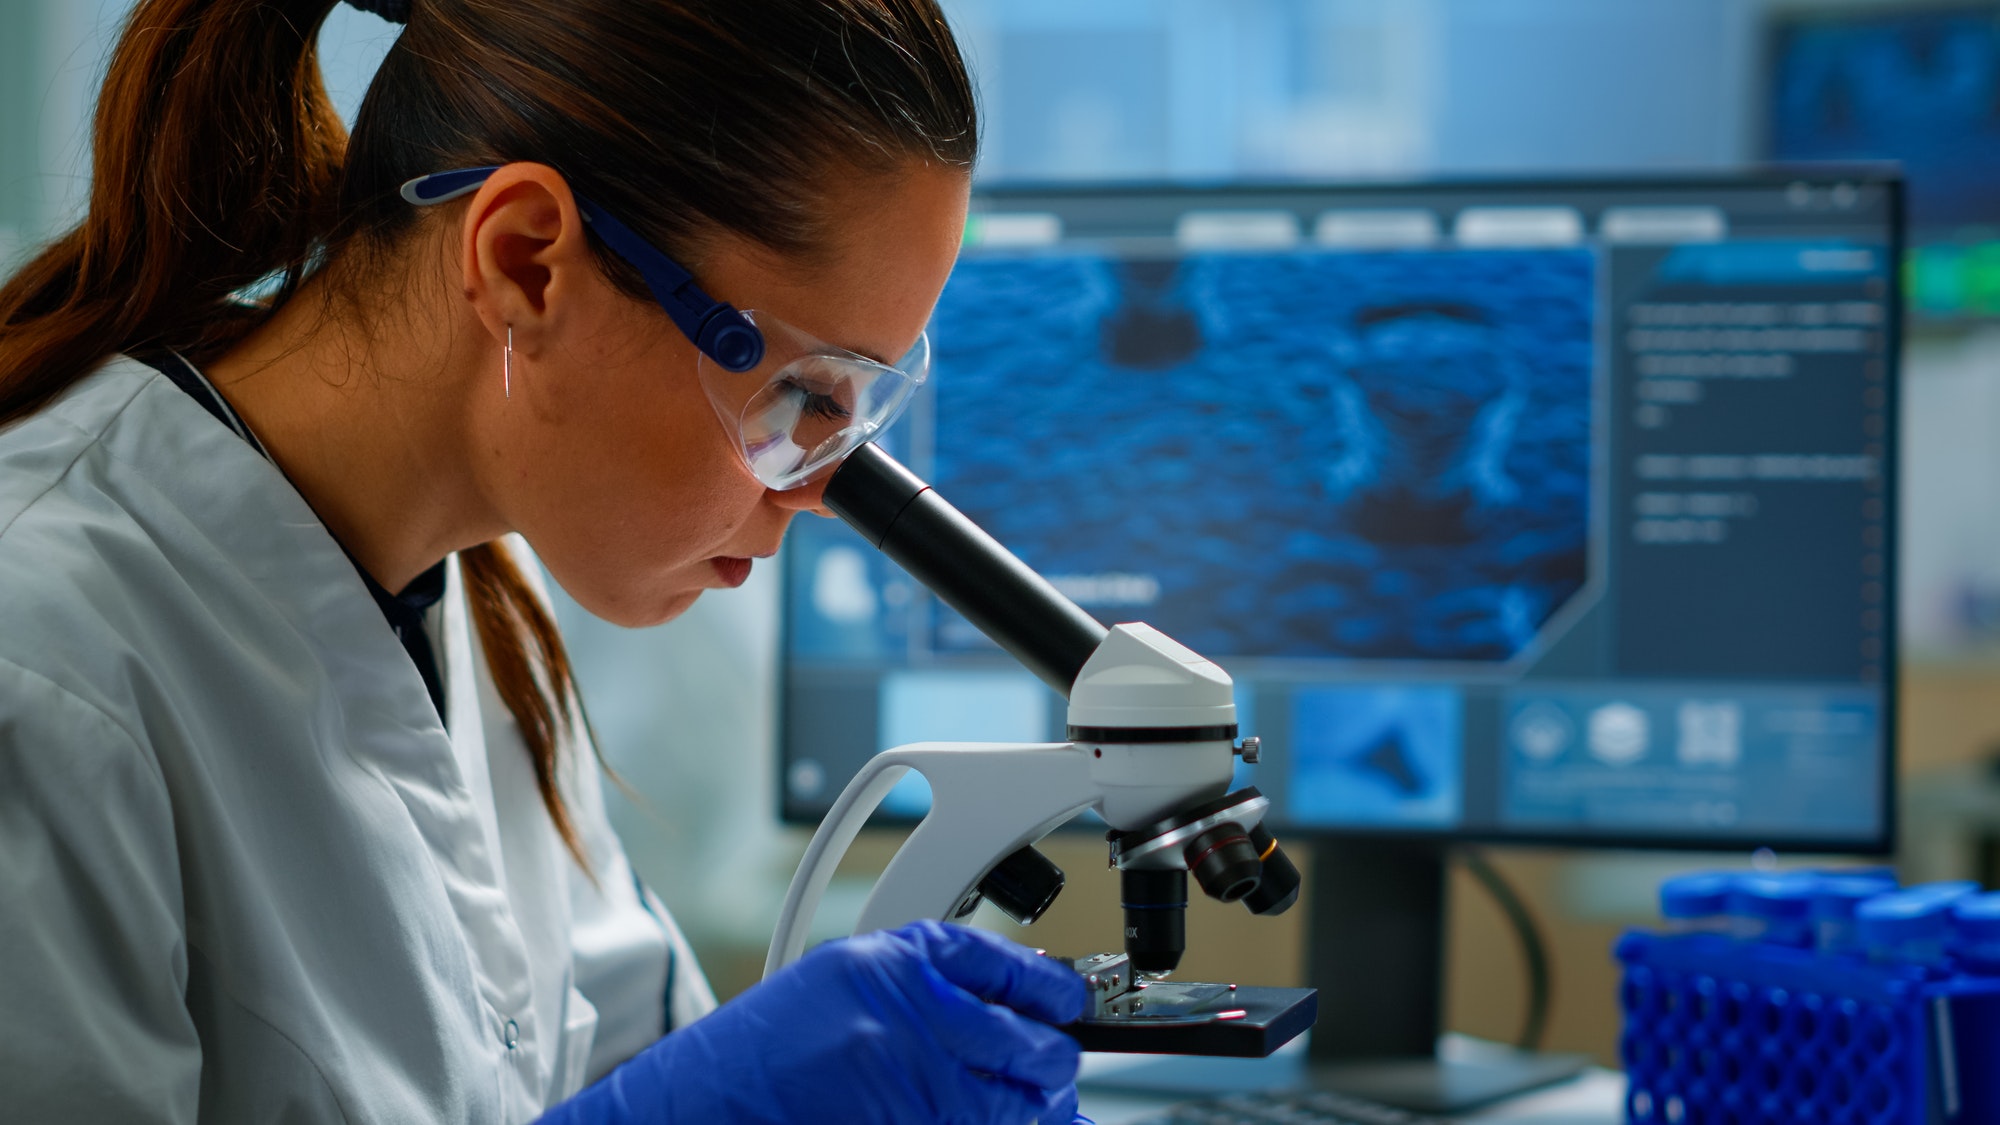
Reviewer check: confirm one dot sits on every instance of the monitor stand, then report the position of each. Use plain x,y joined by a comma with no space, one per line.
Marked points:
1375,950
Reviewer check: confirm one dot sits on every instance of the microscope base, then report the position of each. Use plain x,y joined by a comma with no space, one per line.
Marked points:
1271,1018
1449,1084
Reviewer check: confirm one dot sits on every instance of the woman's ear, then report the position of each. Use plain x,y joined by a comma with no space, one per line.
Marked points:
522,246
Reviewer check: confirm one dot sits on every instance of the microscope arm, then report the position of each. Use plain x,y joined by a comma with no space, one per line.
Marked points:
830,842
989,800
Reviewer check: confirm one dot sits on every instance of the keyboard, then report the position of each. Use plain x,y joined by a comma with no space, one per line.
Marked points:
1311,1107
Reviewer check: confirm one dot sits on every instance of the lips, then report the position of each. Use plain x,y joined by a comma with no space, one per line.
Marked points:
733,571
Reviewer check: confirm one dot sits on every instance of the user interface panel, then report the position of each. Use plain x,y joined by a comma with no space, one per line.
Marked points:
1516,511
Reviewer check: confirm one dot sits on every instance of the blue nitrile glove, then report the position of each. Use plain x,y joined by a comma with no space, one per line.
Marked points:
929,1024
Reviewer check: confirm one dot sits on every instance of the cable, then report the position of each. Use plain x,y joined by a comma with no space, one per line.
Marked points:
1534,950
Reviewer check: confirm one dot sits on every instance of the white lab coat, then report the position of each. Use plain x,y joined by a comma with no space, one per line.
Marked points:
245,874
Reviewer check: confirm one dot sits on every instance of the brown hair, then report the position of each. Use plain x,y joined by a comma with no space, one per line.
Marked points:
220,165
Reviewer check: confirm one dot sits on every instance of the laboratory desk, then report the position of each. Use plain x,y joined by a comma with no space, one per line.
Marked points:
1595,1098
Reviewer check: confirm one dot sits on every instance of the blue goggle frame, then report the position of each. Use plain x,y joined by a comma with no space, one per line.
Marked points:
722,333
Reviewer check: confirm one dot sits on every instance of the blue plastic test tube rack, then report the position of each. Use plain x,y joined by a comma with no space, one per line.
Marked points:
1879,1021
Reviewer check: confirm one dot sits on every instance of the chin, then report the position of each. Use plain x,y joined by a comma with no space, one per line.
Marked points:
677,605
651,613
643,611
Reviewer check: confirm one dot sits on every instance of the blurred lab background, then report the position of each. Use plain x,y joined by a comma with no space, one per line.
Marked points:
1329,90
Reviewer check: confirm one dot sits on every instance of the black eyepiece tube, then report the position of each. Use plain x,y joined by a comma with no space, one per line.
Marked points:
909,522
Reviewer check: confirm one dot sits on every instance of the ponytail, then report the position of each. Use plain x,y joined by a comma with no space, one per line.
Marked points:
217,166
530,668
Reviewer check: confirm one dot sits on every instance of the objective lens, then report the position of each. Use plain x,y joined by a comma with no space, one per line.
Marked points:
1155,919
1224,863
1279,888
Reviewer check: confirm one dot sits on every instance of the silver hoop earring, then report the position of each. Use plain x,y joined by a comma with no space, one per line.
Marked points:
507,364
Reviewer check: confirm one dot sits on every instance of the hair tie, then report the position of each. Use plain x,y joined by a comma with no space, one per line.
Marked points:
395,11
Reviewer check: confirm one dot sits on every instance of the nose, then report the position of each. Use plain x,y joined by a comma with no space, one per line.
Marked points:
808,497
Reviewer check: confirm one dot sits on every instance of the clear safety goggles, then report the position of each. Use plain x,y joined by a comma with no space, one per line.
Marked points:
808,404
795,404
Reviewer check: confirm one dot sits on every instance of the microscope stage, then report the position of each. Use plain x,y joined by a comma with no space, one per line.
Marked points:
1204,1019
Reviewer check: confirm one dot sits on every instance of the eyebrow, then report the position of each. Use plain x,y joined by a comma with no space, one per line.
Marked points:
868,355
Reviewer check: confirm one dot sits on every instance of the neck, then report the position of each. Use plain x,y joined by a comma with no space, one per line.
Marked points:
372,421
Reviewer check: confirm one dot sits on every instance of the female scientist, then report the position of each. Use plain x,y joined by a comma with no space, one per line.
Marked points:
298,822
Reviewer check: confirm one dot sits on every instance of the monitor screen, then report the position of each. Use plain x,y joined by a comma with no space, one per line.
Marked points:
1553,512
1919,85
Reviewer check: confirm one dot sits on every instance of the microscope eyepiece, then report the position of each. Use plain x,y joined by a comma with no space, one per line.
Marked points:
1155,918
965,567
1279,888
1223,862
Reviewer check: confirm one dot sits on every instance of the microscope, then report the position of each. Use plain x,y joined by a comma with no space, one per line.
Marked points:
1152,743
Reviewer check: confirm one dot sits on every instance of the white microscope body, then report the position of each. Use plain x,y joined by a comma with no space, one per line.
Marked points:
1151,746
991,799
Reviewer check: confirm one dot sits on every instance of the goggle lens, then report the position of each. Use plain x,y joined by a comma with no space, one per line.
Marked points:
808,411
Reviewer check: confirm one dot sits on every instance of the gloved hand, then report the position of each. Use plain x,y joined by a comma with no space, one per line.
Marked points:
929,1024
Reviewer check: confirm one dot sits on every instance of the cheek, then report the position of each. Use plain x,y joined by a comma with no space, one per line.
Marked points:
631,572
629,496
652,520
641,455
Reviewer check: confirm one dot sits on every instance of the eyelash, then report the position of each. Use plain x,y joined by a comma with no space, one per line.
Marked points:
823,408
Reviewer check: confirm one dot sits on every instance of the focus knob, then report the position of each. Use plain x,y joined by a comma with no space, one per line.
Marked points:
1023,885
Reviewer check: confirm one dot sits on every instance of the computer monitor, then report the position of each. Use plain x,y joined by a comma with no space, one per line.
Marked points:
1555,513
1917,83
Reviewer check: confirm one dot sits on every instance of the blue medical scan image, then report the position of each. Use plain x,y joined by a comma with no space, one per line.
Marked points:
1407,434
1377,754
